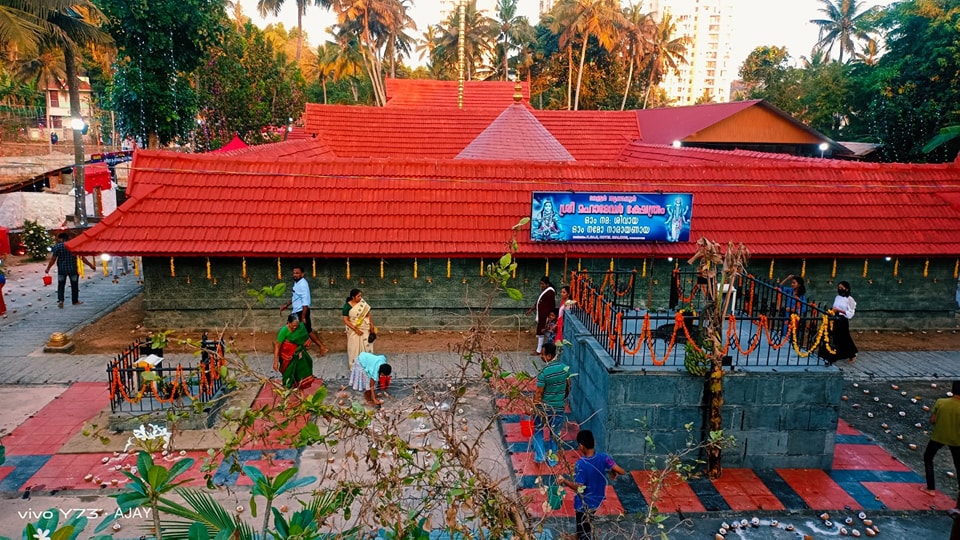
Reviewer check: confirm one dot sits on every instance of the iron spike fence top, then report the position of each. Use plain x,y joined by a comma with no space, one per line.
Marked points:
760,311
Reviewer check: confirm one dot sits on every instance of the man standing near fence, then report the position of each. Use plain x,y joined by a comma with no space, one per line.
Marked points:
299,305
66,268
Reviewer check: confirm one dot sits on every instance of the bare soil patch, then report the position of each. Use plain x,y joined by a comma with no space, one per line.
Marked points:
117,330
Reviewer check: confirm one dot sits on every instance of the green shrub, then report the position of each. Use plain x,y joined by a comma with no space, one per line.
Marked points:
36,240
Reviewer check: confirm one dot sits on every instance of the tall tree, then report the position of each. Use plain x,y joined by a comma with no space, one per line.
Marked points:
513,33
373,22
634,38
666,54
160,45
601,19
272,7
844,23
478,40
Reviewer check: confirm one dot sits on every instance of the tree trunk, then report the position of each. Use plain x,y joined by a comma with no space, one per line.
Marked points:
299,32
583,57
569,76
626,90
653,70
323,83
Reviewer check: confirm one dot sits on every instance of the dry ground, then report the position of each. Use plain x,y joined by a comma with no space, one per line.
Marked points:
117,330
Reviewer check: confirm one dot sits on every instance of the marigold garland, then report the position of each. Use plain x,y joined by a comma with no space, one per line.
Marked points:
206,375
104,261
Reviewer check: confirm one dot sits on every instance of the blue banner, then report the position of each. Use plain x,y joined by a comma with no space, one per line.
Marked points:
563,216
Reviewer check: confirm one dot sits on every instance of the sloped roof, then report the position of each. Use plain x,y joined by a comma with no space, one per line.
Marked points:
706,123
443,94
236,143
640,152
440,208
437,133
515,135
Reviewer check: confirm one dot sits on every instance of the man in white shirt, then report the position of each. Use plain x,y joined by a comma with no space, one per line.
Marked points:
299,304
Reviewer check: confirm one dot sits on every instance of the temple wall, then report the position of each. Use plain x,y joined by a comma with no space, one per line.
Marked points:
430,300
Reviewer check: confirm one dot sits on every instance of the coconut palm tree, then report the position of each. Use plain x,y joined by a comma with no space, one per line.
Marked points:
513,32
325,64
665,55
272,7
563,20
603,20
844,22
478,39
372,21
399,43
634,41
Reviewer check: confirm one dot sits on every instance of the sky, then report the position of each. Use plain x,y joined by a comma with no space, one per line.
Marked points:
756,22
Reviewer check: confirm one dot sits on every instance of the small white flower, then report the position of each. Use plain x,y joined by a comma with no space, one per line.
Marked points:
42,534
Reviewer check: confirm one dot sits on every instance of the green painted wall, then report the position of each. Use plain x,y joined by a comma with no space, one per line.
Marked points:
433,301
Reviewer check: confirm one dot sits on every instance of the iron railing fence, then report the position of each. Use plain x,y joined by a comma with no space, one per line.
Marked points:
757,323
172,386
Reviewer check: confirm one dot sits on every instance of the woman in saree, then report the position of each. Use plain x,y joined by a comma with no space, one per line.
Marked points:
358,323
290,356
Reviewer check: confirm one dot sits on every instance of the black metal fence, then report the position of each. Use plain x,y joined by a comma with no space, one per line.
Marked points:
762,325
168,386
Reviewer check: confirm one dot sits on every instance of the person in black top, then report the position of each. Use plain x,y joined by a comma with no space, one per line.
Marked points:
66,268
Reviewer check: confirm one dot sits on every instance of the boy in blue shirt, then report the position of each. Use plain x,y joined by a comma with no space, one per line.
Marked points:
590,482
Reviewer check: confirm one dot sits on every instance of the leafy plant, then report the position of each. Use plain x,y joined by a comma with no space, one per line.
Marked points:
159,340
36,240
269,488
275,291
696,361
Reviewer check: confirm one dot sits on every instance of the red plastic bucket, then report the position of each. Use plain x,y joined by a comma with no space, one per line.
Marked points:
47,280
526,426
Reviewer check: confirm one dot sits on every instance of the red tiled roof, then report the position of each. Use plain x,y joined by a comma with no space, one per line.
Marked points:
669,124
515,135
235,144
431,132
638,152
440,208
443,94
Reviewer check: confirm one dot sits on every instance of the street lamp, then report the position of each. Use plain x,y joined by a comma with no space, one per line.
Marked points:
80,208
823,148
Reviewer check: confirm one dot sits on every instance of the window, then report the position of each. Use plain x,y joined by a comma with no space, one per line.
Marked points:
54,98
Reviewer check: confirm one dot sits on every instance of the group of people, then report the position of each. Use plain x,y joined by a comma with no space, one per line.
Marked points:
549,316
293,361
841,345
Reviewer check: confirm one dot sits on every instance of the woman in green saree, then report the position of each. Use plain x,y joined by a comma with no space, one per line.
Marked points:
290,356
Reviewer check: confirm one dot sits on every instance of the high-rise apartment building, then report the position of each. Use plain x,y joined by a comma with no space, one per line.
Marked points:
709,69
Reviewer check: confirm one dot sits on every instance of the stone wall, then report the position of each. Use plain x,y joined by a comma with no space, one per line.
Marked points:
782,418
430,300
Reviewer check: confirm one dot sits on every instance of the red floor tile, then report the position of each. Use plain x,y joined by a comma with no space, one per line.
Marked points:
57,422
905,496
865,457
817,489
68,471
675,494
744,491
524,465
843,428
4,471
610,507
